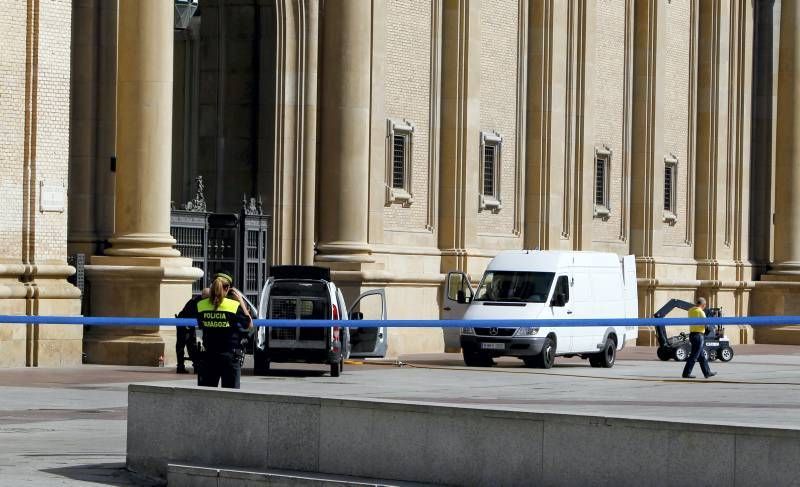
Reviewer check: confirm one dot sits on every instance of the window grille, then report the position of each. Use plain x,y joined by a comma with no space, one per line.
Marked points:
670,189
602,175
399,161
400,143
600,182
668,196
488,170
491,163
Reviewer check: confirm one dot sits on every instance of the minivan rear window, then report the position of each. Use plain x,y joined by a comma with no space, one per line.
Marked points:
299,288
511,286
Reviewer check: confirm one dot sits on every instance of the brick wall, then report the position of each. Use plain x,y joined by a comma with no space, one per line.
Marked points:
498,100
48,131
608,106
52,125
677,69
12,126
407,92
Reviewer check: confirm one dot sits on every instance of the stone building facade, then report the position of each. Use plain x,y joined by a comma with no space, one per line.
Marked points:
396,140
34,154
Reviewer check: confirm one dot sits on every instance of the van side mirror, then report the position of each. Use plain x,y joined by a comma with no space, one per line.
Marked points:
357,315
559,300
461,297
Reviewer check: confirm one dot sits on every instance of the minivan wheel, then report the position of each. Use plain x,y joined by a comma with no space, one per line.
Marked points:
546,358
476,359
336,369
261,362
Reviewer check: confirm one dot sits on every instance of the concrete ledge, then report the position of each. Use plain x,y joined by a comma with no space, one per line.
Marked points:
192,476
443,444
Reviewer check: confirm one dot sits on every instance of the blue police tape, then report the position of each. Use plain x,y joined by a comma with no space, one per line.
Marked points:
129,321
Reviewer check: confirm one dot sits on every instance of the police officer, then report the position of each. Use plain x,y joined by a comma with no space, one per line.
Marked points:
185,337
697,339
223,322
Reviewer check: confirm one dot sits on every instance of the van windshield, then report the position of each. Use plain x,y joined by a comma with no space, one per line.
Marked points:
510,286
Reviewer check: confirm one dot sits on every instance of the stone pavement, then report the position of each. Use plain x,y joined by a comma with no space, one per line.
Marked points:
67,426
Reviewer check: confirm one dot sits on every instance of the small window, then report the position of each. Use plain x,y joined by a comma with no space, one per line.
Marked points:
491,164
670,189
399,162
602,171
562,287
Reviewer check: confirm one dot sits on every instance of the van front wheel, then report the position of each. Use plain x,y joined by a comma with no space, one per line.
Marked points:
546,358
476,359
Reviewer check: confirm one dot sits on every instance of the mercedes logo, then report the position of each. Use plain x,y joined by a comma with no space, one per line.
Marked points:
493,331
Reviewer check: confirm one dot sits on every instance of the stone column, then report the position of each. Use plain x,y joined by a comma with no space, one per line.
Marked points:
647,151
82,235
460,134
141,274
295,126
787,147
345,132
559,131
144,130
779,295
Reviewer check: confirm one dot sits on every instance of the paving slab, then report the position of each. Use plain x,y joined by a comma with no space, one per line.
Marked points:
67,426
751,390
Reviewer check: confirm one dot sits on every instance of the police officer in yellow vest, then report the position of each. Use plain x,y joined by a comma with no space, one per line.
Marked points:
697,339
224,322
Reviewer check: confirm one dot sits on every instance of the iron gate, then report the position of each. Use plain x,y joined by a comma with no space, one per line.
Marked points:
225,242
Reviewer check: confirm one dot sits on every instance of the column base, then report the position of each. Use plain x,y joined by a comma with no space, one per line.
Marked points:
145,348
135,286
777,295
355,252
789,270
143,245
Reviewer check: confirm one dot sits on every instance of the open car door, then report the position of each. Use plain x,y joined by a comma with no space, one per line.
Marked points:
368,342
457,296
253,314
263,306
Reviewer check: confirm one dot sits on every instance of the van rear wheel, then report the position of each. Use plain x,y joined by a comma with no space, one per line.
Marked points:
606,357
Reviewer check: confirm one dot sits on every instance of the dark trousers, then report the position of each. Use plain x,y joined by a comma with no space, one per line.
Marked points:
185,338
697,340
215,366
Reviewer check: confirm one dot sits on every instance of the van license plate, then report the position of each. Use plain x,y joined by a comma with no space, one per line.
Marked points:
712,344
493,346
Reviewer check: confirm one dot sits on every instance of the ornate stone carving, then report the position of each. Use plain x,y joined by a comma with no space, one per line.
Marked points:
252,206
198,203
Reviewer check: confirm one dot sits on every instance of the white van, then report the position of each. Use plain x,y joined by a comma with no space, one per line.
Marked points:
533,284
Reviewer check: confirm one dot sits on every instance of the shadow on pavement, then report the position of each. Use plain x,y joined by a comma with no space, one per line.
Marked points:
286,373
114,474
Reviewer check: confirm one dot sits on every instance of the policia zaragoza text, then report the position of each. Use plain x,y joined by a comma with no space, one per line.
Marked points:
224,323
